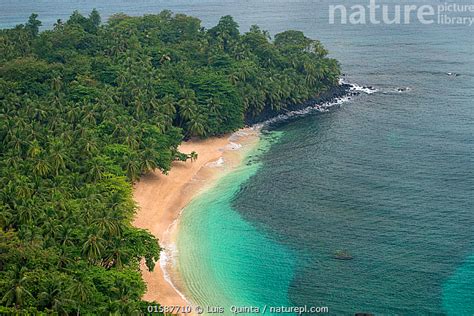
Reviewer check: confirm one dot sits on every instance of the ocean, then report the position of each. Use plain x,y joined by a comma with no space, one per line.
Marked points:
386,176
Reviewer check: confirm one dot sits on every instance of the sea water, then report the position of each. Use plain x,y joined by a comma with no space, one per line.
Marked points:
388,177
215,243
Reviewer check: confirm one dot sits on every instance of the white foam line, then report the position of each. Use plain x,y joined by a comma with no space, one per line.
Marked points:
163,262
166,258
233,146
169,253
358,88
215,164
323,107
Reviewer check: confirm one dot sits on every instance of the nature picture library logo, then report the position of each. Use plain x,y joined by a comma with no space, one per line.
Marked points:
378,12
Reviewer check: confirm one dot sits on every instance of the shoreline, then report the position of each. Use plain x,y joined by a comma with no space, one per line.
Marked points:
340,91
162,198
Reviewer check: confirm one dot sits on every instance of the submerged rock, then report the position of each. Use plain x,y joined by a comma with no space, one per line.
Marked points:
343,255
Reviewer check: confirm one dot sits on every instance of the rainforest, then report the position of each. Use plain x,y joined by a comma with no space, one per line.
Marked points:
87,107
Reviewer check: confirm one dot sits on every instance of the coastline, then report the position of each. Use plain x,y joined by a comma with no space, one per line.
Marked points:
338,92
161,199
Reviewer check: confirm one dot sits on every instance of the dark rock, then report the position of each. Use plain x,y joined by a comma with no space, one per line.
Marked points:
342,255
331,95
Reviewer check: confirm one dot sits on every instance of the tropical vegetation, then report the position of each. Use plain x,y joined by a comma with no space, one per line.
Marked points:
87,107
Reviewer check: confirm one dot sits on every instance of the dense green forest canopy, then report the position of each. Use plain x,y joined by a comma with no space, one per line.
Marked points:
86,108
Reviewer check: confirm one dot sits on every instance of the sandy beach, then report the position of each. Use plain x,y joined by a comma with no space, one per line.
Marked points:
161,198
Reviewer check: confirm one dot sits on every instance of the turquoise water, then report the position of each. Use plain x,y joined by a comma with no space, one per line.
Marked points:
215,243
388,176
458,298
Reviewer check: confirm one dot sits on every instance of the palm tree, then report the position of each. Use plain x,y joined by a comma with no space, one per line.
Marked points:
233,78
106,225
95,169
89,118
148,161
117,255
6,218
50,230
131,140
187,105
244,72
54,297
16,143
93,247
66,236
193,156
90,146
41,167
58,25
140,103
116,200
187,108
80,291
168,105
72,114
213,106
34,149
196,125
57,156
39,114
56,83
25,214
17,291
133,169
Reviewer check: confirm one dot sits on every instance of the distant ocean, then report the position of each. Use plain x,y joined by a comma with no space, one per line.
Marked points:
387,176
